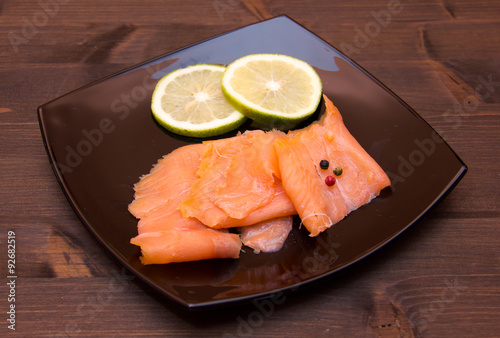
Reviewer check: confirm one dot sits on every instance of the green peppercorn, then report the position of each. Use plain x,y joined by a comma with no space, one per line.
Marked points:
337,171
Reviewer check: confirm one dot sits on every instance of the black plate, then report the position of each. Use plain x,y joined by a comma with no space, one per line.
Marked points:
101,138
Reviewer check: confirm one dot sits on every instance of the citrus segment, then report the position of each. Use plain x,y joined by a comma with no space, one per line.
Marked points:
272,88
190,102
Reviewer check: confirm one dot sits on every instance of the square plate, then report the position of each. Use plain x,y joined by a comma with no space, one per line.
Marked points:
102,137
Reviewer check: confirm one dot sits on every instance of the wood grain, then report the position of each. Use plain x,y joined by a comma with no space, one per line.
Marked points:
441,278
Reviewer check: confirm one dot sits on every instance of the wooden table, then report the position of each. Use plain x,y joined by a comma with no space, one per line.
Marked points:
441,278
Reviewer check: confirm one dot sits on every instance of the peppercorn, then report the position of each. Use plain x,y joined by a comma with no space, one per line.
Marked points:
330,180
337,171
324,164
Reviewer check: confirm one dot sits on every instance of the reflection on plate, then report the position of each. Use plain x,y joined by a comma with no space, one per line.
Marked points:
101,138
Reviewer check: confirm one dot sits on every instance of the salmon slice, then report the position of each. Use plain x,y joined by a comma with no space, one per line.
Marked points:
238,182
166,180
280,206
212,171
183,245
249,179
267,236
299,154
167,217
165,236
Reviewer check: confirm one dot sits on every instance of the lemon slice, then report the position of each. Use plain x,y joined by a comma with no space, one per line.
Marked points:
272,89
189,101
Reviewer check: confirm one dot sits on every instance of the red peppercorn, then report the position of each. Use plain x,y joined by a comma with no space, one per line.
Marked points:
330,180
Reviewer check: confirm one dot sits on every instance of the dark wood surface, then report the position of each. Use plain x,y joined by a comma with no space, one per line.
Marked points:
439,279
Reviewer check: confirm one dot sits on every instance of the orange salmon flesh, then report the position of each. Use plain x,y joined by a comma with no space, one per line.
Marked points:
193,198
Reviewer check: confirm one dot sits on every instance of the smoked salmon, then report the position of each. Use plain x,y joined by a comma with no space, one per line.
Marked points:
254,182
164,235
299,155
186,245
267,236
237,177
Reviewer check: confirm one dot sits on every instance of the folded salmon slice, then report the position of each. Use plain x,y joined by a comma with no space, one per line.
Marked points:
166,180
238,182
249,179
165,236
280,206
211,173
186,245
299,154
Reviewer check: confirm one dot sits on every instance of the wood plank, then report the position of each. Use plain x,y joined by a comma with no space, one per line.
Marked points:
127,43
404,288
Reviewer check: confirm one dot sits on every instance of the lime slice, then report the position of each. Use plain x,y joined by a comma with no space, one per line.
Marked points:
272,89
190,102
